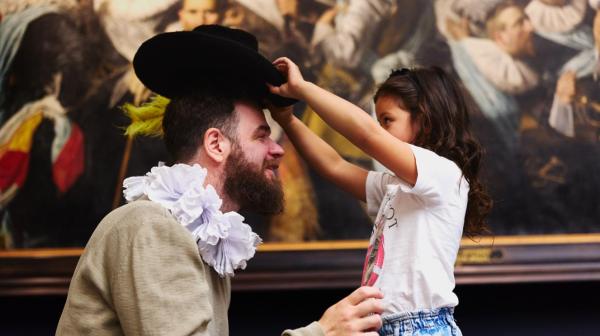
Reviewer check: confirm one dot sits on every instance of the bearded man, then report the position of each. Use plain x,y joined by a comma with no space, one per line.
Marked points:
162,263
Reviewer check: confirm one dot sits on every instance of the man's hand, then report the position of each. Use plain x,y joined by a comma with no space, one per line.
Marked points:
357,314
566,88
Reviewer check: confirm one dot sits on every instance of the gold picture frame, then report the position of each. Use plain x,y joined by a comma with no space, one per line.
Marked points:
338,264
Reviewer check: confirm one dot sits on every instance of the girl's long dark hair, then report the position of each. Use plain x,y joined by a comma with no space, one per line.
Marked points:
441,108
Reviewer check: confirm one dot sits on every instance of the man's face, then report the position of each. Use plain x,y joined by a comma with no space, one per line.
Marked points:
251,168
515,36
198,12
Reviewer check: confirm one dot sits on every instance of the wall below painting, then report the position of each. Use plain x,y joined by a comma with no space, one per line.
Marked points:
567,308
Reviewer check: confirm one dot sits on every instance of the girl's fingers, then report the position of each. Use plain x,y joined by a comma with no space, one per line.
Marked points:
283,69
282,59
273,89
280,65
285,62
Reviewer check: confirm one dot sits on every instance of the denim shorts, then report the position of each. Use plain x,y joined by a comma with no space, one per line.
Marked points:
436,322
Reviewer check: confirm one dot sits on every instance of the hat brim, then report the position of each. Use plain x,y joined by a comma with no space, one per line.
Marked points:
171,64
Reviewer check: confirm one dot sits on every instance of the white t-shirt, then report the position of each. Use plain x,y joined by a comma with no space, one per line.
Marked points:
420,229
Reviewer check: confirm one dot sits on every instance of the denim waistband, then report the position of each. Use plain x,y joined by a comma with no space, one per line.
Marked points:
422,319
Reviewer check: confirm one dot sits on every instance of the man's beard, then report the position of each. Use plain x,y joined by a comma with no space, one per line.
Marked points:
249,187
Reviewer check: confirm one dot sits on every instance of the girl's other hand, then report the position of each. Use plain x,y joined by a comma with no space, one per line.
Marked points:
282,115
293,88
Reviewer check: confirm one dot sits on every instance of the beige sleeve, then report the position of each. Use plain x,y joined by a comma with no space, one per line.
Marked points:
160,287
313,329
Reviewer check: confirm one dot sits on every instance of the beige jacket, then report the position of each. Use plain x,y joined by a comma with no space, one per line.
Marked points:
141,274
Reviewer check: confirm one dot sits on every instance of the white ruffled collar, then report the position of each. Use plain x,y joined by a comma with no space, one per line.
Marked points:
556,19
224,241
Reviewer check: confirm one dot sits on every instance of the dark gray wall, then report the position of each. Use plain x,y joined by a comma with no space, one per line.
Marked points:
571,309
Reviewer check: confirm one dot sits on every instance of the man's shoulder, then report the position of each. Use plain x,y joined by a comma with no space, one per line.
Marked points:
131,219
137,226
139,209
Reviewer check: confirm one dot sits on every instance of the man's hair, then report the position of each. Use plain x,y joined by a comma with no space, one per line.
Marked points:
189,116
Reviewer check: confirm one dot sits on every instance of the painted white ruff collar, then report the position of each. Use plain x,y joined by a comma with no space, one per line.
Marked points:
224,241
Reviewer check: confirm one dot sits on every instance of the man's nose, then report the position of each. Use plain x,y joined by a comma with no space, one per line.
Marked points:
276,150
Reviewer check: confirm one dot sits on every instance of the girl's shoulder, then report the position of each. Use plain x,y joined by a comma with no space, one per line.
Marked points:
428,160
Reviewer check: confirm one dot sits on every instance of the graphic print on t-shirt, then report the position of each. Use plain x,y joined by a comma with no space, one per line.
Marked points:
373,262
373,265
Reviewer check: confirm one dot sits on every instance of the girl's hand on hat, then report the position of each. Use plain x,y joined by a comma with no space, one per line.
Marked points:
282,115
294,87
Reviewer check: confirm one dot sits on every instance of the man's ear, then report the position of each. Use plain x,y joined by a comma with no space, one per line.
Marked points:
216,145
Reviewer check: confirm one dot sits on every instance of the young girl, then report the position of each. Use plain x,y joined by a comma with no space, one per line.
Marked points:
429,192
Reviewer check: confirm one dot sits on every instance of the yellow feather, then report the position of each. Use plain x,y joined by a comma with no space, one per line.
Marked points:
146,119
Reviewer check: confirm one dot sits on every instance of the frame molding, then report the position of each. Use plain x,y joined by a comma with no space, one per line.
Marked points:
338,264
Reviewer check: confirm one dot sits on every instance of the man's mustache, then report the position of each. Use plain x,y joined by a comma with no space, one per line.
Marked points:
271,164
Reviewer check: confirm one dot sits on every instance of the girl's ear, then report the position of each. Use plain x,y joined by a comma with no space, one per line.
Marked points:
216,145
421,127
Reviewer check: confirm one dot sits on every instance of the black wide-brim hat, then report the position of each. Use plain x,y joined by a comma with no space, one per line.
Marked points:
173,64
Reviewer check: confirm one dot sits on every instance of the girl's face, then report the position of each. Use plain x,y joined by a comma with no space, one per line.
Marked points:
395,119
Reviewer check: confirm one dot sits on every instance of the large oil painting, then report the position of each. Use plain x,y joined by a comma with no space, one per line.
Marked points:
531,67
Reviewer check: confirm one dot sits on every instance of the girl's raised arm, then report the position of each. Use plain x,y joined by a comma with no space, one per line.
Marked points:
351,121
320,155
